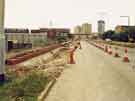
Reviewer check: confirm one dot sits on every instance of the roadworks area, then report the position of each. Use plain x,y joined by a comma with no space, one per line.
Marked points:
31,80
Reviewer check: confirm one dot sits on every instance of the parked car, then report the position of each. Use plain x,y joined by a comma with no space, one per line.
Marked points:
108,40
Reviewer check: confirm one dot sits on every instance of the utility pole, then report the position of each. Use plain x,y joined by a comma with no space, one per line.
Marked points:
2,41
128,17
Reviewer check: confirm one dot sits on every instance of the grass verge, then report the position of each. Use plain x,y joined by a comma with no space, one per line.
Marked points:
25,88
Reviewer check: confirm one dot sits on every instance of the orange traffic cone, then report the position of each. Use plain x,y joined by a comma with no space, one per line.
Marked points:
126,50
126,59
116,54
71,55
110,50
71,61
106,49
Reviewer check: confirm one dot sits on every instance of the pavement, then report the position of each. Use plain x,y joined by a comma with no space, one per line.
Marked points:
96,76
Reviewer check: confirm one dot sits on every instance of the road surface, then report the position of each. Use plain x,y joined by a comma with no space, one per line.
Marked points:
131,54
96,76
121,51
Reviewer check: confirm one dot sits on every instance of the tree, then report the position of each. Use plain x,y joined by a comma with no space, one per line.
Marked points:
131,32
108,34
123,36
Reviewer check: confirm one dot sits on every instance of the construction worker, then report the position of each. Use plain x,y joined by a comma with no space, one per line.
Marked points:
79,44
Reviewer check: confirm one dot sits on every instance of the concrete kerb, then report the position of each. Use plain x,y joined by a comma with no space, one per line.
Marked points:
48,88
46,91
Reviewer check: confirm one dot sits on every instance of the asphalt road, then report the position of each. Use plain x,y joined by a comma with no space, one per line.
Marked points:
131,52
96,76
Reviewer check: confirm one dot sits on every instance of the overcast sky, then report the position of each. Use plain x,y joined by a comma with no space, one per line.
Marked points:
67,13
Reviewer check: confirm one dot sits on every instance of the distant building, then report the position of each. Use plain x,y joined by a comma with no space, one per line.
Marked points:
77,29
86,28
21,38
20,35
101,26
16,30
17,35
123,28
53,32
35,31
17,38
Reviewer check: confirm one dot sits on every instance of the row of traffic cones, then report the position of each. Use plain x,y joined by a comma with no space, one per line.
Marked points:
109,51
116,54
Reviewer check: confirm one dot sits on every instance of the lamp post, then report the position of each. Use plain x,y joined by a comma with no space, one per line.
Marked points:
128,17
2,41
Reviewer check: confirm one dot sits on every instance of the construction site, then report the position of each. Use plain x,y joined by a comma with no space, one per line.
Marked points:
59,64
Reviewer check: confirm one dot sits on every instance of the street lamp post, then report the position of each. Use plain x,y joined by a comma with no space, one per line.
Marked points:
2,41
128,19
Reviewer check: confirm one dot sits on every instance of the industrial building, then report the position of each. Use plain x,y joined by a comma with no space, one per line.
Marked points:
17,38
17,35
53,32
21,38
